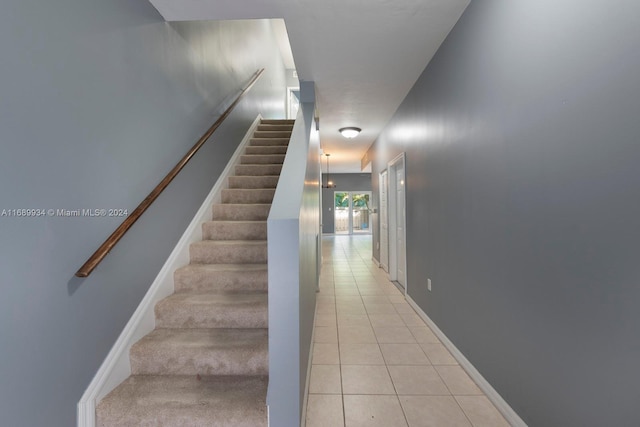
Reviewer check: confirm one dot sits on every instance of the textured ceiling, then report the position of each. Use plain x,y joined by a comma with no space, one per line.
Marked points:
363,55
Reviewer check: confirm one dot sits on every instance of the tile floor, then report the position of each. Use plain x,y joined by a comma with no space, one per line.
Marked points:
375,362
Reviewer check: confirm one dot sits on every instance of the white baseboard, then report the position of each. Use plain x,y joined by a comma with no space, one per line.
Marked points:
375,261
507,412
116,367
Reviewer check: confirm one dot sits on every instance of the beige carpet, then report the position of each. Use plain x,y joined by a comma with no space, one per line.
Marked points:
206,363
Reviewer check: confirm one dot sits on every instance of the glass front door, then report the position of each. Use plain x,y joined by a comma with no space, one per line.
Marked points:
351,212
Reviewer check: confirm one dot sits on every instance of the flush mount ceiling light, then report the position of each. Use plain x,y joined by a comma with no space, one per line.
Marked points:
350,132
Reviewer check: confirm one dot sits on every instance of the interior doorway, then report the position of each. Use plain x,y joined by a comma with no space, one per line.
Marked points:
293,102
397,221
351,212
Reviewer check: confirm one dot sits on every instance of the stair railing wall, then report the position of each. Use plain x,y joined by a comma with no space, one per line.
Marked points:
292,230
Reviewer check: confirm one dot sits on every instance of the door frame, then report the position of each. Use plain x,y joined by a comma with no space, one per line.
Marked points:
290,89
383,183
392,167
319,255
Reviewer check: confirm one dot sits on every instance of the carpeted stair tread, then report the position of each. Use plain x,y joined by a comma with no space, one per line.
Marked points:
264,181
248,195
212,310
234,230
228,252
185,401
221,277
258,170
241,212
272,134
201,352
268,141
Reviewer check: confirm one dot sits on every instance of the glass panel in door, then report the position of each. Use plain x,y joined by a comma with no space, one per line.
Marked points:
360,203
341,212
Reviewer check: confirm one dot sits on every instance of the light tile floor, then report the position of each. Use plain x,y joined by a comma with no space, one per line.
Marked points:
375,362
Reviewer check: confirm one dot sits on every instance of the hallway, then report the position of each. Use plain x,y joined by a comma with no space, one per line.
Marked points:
375,362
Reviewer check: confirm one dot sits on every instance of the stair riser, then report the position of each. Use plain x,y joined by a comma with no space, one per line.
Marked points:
252,196
262,159
184,418
274,128
248,182
258,170
221,281
159,359
207,316
185,401
228,254
239,212
214,363
268,149
228,230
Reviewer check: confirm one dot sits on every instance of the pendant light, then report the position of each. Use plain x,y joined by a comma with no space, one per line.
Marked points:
329,183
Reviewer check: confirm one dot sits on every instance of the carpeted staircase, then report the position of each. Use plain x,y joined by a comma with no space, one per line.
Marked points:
206,363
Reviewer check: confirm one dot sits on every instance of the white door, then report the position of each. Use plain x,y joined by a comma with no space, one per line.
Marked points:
400,223
384,222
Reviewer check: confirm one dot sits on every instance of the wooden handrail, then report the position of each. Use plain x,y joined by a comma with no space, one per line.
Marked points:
115,237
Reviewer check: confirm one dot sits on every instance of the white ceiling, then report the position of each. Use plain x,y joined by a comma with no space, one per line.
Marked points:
363,55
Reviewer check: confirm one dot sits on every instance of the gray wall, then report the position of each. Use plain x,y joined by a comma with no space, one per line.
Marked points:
343,182
522,141
98,100
293,232
309,245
